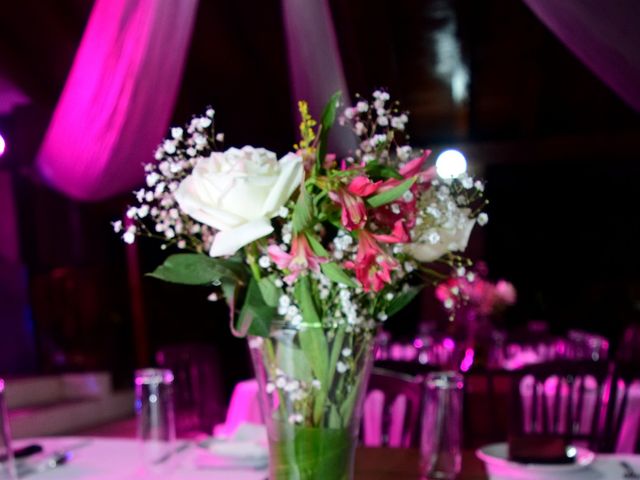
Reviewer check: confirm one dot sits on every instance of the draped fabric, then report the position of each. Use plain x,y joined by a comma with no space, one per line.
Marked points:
604,35
118,99
315,66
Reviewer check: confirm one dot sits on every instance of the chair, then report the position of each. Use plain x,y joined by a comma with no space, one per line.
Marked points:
391,409
560,399
622,428
198,390
244,407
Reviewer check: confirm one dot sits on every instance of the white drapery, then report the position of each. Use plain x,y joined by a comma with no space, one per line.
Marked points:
315,65
119,97
603,35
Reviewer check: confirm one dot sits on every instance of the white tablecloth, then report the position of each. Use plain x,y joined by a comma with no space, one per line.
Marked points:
121,459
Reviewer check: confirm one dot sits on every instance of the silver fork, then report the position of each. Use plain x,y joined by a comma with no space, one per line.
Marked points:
629,472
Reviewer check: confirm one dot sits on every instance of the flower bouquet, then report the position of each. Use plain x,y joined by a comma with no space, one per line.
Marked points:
472,290
311,253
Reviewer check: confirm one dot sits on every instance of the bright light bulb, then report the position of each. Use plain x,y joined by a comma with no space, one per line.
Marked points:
451,164
2,145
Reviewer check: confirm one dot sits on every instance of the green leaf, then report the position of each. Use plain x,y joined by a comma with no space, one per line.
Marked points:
270,293
302,213
326,122
402,300
337,274
198,269
312,339
392,194
316,246
256,316
308,452
313,342
375,170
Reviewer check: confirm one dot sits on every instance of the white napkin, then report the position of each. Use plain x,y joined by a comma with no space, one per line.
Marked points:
247,447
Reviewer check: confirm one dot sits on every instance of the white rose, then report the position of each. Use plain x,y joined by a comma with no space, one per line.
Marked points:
237,192
449,240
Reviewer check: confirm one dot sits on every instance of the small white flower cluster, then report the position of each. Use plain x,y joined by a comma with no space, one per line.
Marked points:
343,246
346,359
288,310
458,296
157,206
379,124
324,285
296,391
448,205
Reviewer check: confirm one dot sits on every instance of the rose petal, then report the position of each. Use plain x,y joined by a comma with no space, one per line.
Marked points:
192,203
230,241
291,172
450,241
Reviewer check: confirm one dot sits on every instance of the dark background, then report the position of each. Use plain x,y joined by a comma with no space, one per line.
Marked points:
558,149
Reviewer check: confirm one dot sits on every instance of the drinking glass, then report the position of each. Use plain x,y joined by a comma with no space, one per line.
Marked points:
7,465
155,415
441,439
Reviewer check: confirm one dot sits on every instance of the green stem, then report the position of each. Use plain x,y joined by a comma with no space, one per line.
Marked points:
271,361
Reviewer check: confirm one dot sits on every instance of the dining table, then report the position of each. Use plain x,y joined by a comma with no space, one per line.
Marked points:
98,458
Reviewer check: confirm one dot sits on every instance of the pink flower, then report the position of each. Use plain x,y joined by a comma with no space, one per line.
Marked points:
414,166
506,292
373,265
354,211
362,186
298,261
399,234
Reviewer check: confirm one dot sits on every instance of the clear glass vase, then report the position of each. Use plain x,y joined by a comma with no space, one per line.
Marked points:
312,383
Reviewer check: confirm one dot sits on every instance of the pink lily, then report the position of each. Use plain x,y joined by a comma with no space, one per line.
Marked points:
298,261
354,211
373,265
414,166
399,234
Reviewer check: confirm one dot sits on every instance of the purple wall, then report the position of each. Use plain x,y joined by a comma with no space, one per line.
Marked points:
17,346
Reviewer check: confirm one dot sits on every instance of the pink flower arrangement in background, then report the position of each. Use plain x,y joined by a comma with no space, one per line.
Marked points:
471,289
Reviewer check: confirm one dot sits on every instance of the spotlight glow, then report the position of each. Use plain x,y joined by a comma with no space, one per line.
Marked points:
451,164
3,145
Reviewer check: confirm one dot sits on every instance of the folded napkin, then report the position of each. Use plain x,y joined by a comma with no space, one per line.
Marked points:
247,447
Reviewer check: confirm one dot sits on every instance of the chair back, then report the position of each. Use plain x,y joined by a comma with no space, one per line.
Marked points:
198,389
560,399
391,409
622,428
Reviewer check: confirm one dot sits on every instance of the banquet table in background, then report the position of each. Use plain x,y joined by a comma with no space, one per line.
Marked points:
119,459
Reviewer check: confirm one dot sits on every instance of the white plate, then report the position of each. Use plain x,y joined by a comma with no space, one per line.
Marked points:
496,457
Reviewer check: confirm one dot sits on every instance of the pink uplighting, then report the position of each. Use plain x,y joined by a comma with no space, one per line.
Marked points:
111,116
3,145
467,361
449,344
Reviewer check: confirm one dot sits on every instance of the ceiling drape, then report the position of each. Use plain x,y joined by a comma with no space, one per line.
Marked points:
118,99
604,35
315,64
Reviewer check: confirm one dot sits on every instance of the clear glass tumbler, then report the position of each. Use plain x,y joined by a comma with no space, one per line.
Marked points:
7,463
441,438
155,414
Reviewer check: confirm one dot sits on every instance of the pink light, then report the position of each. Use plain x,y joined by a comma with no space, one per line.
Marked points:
418,343
449,344
467,361
3,145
